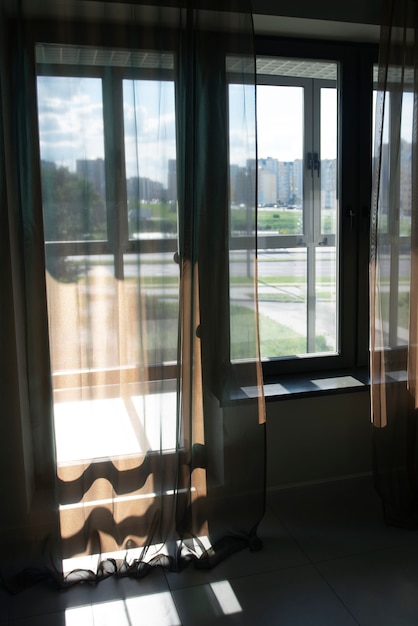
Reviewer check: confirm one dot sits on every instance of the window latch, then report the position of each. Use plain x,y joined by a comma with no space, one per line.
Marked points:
313,163
316,163
351,214
309,162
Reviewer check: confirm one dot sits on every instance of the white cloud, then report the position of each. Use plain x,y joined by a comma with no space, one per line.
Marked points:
70,119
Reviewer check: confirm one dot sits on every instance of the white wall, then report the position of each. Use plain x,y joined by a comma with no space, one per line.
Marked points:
318,439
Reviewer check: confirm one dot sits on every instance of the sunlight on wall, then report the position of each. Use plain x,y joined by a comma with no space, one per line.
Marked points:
113,427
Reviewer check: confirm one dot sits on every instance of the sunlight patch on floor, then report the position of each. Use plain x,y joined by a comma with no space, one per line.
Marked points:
228,601
154,609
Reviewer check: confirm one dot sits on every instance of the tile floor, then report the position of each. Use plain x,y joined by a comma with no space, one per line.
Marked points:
328,558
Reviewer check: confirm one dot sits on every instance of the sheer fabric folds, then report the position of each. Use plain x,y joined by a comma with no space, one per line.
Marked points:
394,267
129,439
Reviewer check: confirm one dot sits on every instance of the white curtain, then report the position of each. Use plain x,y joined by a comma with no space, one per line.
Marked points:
120,286
394,266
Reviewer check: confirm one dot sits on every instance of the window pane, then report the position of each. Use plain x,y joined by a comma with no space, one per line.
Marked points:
97,322
297,118
325,300
150,150
406,164
242,257
72,158
282,292
329,178
280,165
394,224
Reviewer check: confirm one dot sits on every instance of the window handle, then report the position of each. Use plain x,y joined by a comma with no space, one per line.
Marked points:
316,163
351,214
313,163
310,162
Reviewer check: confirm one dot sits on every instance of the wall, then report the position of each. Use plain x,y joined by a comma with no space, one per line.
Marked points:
360,11
318,439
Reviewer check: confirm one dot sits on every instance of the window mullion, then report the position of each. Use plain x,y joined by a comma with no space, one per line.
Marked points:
309,210
116,196
393,216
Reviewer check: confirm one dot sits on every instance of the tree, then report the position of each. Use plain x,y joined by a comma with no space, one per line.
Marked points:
72,208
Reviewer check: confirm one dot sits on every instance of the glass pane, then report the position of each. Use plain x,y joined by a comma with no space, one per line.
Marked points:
282,272
329,174
383,224
242,185
98,322
282,292
280,161
150,151
394,225
406,164
326,299
111,316
298,267
72,158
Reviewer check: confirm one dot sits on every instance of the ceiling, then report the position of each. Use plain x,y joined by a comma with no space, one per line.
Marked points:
356,20
316,28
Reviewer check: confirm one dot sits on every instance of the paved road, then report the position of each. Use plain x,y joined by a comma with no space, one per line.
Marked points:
269,264
272,264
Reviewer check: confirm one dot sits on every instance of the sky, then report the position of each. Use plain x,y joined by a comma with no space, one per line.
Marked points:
71,123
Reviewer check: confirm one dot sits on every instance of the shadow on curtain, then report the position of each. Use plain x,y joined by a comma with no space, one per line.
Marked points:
394,267
119,126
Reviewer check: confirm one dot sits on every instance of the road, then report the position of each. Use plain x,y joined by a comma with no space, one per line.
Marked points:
284,302
284,263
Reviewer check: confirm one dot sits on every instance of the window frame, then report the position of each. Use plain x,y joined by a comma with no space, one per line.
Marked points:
118,243
311,237
355,171
392,237
356,61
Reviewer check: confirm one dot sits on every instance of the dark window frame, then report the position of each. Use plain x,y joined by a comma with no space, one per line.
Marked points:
356,85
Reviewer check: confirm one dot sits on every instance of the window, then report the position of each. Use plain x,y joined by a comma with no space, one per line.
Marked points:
394,227
108,176
298,206
106,198
313,193
314,118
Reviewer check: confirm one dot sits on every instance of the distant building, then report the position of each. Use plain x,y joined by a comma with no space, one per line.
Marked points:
329,183
48,165
172,181
267,181
94,171
267,187
298,181
286,187
405,178
281,182
145,189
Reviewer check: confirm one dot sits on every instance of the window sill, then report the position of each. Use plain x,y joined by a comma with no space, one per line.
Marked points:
293,386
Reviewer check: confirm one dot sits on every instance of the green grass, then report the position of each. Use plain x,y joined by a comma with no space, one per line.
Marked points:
278,220
280,297
403,308
276,340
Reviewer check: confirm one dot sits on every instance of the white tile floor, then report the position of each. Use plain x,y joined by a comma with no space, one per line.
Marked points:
328,558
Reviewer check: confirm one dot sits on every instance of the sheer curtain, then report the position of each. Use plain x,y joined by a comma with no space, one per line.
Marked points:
394,267
130,312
